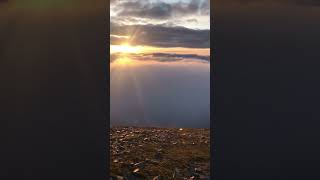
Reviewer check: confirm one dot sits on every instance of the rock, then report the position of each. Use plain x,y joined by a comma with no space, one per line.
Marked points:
136,170
176,173
149,148
139,164
197,170
158,178
158,155
130,177
153,161
116,178
176,170
120,178
196,175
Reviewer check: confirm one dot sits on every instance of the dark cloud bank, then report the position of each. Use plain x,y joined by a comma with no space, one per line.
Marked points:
161,10
161,36
181,56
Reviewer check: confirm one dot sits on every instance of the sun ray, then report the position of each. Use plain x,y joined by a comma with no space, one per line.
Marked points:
125,48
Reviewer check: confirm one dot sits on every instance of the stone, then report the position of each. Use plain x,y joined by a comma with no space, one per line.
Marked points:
158,155
139,164
158,178
136,170
197,170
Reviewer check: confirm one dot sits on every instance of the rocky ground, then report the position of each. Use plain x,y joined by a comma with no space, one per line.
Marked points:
159,153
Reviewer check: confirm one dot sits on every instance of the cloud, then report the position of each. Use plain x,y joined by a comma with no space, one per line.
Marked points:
162,57
195,7
192,20
145,10
162,36
118,40
177,57
162,10
128,20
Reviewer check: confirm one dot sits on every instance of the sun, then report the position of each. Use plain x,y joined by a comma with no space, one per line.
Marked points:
124,48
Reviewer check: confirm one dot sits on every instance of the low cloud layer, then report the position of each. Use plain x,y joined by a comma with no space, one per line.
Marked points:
161,36
163,57
161,94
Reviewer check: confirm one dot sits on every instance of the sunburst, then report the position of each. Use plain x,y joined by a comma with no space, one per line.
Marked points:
124,48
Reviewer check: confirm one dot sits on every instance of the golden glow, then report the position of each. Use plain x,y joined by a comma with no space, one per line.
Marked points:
124,48
123,61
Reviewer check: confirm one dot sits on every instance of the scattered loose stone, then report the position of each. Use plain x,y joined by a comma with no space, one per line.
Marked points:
139,153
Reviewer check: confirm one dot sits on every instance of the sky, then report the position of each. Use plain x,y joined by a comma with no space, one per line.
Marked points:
160,63
160,23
